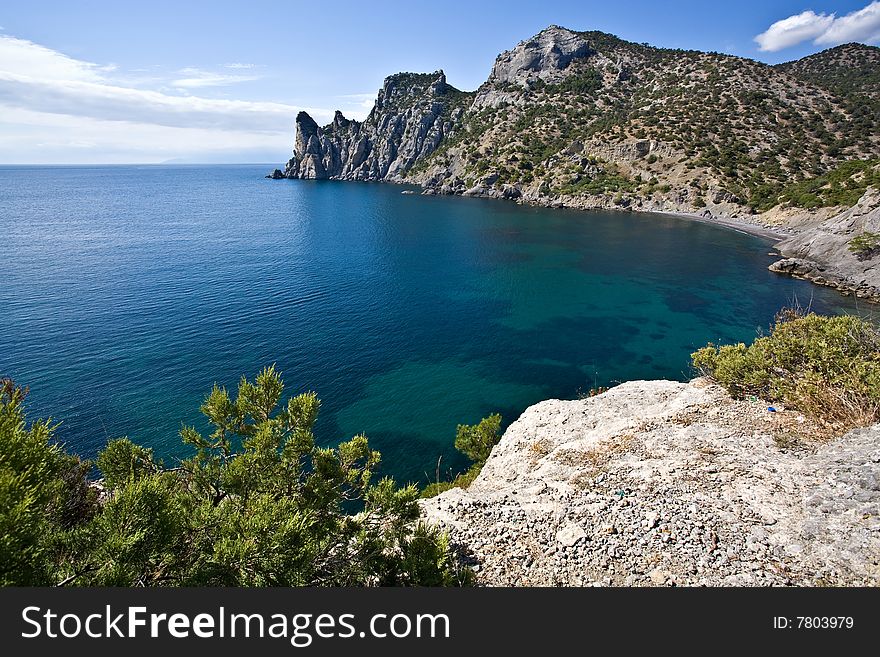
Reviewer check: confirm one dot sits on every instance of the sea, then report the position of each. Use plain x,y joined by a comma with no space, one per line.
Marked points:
127,292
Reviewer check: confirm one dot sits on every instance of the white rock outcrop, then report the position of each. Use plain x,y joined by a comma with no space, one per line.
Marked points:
821,253
412,114
661,483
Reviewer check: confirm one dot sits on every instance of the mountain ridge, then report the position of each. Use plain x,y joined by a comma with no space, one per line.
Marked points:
591,120
411,115
586,119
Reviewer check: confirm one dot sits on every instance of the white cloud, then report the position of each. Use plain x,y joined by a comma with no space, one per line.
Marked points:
195,78
862,25
28,58
58,109
824,29
48,99
35,138
793,30
359,104
115,103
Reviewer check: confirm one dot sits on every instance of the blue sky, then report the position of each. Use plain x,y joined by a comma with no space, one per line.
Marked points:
221,81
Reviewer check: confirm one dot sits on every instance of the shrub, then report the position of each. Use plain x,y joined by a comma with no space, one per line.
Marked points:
43,492
841,186
866,245
123,461
476,442
258,504
826,367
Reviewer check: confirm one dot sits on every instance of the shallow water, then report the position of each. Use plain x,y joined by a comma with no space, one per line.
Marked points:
128,291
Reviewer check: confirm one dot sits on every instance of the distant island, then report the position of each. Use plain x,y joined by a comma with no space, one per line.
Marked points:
588,120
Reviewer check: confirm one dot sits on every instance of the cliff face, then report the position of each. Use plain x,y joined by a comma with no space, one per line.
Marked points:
658,483
544,57
822,252
584,119
412,115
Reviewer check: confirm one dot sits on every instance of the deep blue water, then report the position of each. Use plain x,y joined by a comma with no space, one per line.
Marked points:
128,291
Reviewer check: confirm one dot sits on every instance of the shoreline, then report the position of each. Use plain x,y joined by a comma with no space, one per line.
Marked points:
740,225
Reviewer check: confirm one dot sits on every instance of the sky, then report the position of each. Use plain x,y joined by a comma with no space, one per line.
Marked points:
151,82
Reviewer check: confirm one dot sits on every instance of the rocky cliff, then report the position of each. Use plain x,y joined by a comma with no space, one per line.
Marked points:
412,115
585,119
827,252
659,483
588,120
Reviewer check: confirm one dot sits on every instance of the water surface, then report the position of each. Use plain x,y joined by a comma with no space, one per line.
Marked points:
128,291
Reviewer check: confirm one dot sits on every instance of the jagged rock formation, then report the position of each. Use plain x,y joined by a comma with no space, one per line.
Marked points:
412,115
823,253
584,119
544,57
588,120
661,483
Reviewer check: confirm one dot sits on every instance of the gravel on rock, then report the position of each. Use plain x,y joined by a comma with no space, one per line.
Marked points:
658,483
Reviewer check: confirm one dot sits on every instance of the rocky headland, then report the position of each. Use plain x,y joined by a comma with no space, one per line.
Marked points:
411,116
589,121
823,252
657,483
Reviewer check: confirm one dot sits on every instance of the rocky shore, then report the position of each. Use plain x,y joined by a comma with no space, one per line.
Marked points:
657,483
579,120
822,252
721,214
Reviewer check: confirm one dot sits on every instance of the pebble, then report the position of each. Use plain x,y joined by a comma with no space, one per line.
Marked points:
694,501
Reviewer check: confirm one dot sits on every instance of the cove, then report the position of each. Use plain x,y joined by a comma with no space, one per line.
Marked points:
129,291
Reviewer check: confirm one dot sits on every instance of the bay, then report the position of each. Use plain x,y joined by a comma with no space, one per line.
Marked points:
128,291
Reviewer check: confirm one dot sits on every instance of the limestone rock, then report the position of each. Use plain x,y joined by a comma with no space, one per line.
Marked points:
658,483
545,57
570,535
821,253
411,116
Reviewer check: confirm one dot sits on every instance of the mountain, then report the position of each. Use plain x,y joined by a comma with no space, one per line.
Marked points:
412,115
586,119
840,251
851,70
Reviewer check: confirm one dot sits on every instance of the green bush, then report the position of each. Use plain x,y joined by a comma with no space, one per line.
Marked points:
462,480
123,461
258,504
476,442
43,492
841,186
865,245
826,367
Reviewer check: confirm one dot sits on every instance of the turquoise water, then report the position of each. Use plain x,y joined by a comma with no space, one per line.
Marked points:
128,291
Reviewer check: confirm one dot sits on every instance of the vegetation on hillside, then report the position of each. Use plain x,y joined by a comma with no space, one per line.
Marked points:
725,129
258,504
865,245
476,442
842,185
826,367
